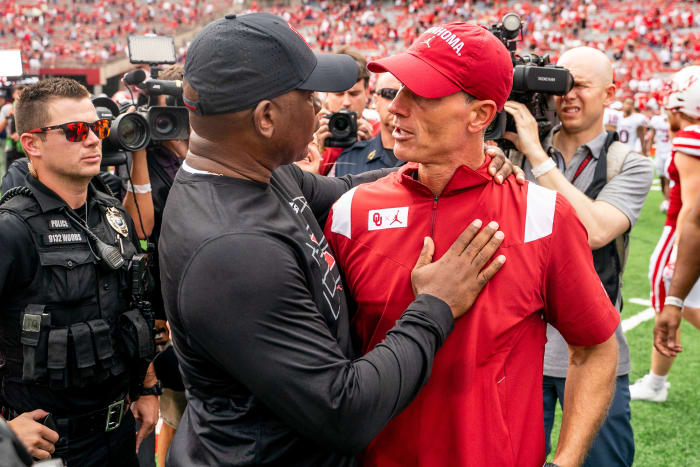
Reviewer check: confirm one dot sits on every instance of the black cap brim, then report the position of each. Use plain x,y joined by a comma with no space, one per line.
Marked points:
333,73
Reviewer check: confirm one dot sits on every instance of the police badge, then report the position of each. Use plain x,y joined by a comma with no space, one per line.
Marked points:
116,221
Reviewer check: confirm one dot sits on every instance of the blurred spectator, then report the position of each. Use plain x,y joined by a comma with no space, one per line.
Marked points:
355,100
661,139
13,147
632,126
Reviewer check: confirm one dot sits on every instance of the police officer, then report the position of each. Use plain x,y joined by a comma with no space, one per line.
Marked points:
378,152
71,346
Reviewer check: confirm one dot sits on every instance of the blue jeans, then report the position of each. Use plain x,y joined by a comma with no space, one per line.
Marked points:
614,445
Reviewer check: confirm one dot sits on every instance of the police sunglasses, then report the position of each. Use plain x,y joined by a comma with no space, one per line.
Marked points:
78,131
387,93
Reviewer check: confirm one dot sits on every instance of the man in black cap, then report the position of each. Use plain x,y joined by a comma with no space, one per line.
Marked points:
255,301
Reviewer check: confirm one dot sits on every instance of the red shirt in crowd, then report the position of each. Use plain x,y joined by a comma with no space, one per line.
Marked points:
483,402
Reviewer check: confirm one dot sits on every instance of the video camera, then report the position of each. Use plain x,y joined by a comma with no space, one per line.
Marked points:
535,81
131,131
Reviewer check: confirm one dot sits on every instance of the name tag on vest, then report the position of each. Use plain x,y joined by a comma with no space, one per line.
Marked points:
62,238
391,218
59,224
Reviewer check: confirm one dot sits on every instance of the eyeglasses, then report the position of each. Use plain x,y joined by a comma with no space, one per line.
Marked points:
78,131
387,93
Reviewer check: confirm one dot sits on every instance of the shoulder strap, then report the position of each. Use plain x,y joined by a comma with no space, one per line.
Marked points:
616,155
16,191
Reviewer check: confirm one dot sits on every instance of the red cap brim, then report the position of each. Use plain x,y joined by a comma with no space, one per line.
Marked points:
416,75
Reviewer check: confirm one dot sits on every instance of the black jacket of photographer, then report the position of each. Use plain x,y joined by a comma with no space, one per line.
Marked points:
60,309
163,164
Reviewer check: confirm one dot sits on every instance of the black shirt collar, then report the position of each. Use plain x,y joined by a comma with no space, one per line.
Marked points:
48,200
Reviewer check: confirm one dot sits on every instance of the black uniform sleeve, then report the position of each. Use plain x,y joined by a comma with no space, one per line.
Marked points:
321,192
263,328
18,260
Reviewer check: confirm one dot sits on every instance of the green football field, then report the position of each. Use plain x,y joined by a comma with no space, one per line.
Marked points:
666,434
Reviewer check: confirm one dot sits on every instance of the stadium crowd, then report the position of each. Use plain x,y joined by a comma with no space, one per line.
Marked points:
89,32
336,325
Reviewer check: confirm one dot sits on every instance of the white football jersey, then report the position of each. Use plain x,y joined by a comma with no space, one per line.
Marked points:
611,117
627,128
662,138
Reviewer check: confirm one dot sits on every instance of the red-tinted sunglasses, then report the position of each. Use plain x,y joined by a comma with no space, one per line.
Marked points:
78,131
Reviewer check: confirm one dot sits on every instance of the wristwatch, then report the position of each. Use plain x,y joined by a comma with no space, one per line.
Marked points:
155,390
550,464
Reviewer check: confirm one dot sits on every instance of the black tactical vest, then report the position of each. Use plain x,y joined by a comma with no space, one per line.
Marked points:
606,260
63,331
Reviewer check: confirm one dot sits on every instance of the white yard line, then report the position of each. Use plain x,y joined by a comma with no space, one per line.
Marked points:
640,301
637,319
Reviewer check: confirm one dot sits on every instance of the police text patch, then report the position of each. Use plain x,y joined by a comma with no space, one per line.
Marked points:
59,224
62,238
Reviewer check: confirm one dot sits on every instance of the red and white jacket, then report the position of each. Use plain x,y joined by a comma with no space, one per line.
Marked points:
483,402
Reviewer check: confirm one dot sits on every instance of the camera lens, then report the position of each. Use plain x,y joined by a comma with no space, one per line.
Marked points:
131,132
511,25
340,126
165,124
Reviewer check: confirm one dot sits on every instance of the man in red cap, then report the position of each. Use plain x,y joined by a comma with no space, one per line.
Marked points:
483,402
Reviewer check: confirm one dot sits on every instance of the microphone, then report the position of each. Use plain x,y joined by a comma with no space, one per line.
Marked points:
135,76
155,87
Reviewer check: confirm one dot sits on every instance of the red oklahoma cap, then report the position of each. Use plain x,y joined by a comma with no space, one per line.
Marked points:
453,57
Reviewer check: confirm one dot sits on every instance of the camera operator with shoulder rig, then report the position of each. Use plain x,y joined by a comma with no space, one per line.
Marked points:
342,118
75,331
607,184
152,175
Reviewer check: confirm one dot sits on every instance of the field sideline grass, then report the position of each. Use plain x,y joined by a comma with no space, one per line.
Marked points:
666,434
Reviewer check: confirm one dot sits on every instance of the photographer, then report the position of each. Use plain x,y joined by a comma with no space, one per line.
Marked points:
378,152
355,100
152,175
573,160
76,345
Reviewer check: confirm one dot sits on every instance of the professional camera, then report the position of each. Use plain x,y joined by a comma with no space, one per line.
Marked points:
535,81
131,131
343,128
142,284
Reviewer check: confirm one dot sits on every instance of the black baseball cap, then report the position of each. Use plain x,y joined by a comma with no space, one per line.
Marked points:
239,60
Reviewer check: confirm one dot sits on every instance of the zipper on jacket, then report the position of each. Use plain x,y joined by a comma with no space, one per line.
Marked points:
432,224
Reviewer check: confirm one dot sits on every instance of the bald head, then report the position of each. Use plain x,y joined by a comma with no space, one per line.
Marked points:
588,63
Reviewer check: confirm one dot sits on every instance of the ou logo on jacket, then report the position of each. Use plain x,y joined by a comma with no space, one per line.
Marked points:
390,218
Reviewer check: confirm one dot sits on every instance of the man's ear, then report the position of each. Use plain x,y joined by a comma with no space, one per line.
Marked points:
31,144
480,115
609,94
264,118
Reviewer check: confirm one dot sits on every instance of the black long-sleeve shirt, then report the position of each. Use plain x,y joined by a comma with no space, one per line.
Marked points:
261,328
